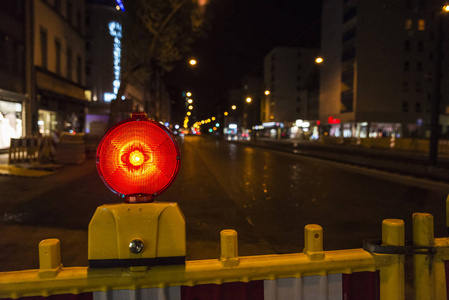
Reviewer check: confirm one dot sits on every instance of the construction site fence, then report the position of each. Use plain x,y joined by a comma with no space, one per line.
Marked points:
311,274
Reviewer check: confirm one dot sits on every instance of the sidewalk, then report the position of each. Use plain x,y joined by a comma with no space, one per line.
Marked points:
403,162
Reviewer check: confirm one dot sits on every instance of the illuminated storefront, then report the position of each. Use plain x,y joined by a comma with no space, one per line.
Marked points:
10,122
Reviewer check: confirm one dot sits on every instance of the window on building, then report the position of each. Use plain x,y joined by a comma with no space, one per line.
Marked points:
87,20
298,99
69,11
405,106
298,110
418,87
407,45
79,69
43,40
78,19
69,63
408,24
420,46
421,24
405,85
88,70
58,56
58,6
87,45
419,66
406,65
417,107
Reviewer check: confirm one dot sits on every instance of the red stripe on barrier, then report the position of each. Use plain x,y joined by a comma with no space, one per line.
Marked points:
446,271
252,290
83,296
361,285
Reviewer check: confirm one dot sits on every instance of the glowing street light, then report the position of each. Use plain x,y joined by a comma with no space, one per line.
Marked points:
267,92
190,107
319,60
446,8
188,94
189,113
248,100
225,113
233,107
192,62
190,101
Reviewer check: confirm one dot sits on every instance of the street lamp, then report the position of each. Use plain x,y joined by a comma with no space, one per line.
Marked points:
233,107
267,92
190,107
190,101
188,94
319,60
248,100
192,62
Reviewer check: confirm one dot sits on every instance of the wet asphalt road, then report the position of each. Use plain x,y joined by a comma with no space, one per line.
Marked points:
267,196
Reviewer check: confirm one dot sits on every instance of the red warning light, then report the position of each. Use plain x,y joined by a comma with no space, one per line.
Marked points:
138,158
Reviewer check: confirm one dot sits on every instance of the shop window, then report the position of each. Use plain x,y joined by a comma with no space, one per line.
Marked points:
421,25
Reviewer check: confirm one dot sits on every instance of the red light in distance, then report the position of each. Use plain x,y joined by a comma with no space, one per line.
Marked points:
138,159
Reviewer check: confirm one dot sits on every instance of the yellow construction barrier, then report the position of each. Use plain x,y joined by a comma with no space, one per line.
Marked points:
312,274
23,150
431,269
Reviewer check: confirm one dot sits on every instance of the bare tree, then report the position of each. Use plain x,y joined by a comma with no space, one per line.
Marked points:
156,33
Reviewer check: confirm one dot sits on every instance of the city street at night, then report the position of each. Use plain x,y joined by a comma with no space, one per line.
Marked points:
268,196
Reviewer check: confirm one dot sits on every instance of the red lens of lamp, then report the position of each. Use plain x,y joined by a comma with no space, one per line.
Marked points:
138,157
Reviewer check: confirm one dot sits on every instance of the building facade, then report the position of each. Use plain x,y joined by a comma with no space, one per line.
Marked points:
12,71
289,79
60,101
377,77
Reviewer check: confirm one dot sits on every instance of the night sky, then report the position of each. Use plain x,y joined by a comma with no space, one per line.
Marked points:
241,33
